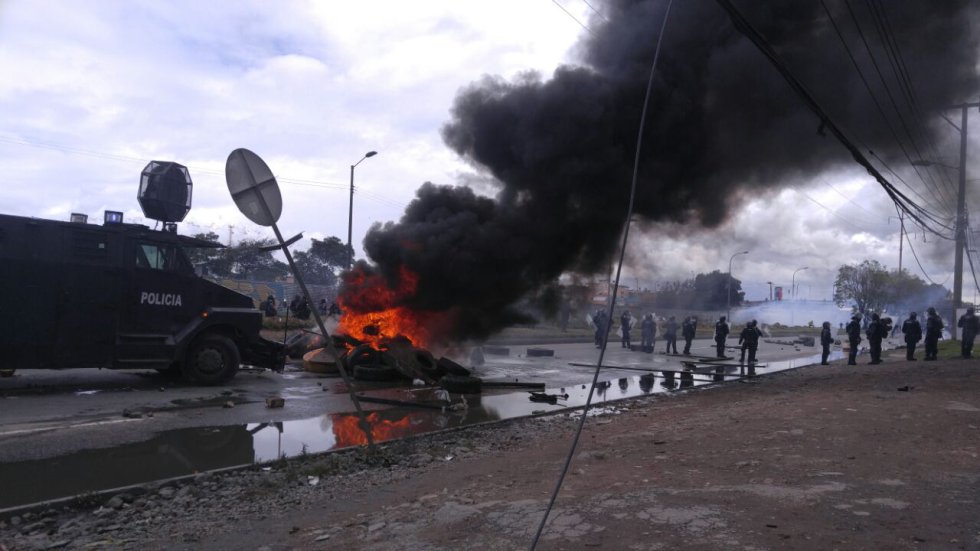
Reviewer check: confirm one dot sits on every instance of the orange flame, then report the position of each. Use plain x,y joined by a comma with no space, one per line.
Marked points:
374,312
349,433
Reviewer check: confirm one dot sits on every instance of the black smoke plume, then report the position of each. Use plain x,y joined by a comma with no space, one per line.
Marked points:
722,126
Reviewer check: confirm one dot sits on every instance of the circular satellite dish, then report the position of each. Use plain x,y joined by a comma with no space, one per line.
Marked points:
253,187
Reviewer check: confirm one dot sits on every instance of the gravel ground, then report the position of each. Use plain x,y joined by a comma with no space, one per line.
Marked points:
835,457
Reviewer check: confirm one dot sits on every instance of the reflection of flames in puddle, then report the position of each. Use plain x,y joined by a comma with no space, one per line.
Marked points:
375,312
349,433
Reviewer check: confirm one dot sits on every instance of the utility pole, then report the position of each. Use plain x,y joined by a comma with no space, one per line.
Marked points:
901,239
961,209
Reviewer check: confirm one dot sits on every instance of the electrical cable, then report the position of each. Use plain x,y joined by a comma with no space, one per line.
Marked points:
902,75
848,199
848,221
555,2
612,299
884,83
914,211
881,110
597,12
916,257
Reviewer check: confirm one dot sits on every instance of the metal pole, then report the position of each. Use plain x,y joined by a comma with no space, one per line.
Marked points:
327,339
901,239
350,219
350,209
960,216
793,284
728,315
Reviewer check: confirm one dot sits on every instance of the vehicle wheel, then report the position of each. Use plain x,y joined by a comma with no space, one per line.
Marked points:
461,385
375,372
212,360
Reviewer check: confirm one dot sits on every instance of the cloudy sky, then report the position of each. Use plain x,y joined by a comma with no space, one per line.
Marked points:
93,91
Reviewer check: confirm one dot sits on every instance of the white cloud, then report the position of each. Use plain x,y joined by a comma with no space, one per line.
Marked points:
93,91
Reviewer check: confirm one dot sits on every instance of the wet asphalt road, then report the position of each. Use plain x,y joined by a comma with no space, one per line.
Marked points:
65,433
49,413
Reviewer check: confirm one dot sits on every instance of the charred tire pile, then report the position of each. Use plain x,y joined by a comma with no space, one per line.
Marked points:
367,364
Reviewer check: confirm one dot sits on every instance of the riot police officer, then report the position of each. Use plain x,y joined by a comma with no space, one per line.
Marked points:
689,328
876,332
826,339
912,330
971,326
721,333
749,339
934,331
853,338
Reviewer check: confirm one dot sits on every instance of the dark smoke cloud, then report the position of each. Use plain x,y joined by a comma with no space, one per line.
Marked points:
723,126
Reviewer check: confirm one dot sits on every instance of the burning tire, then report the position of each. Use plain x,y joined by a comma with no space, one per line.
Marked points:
368,364
461,384
364,354
213,359
428,365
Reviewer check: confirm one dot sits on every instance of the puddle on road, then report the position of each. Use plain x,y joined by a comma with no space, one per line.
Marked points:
187,451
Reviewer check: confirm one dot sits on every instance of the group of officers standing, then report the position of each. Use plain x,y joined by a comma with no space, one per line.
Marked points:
879,328
748,339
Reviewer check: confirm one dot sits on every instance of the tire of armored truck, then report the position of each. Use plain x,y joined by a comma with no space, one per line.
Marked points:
211,360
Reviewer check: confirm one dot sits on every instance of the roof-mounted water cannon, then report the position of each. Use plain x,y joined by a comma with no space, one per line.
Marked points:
165,192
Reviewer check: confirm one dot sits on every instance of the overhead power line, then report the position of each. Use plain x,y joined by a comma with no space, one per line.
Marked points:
568,13
914,211
944,201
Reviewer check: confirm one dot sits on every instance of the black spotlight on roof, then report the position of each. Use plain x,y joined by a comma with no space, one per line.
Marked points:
165,191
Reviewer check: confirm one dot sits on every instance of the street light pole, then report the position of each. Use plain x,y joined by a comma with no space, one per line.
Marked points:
770,290
729,314
793,285
350,210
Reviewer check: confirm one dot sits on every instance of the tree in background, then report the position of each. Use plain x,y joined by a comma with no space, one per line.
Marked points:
324,260
711,291
703,292
210,261
251,262
866,284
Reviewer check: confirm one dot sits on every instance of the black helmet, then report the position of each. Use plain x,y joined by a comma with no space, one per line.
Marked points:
874,317
930,310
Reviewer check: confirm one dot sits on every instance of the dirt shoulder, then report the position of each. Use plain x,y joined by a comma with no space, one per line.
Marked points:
835,457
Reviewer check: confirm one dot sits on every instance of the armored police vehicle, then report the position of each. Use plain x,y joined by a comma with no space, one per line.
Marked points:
123,296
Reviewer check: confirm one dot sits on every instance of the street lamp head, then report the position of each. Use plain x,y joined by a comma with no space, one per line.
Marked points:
370,154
